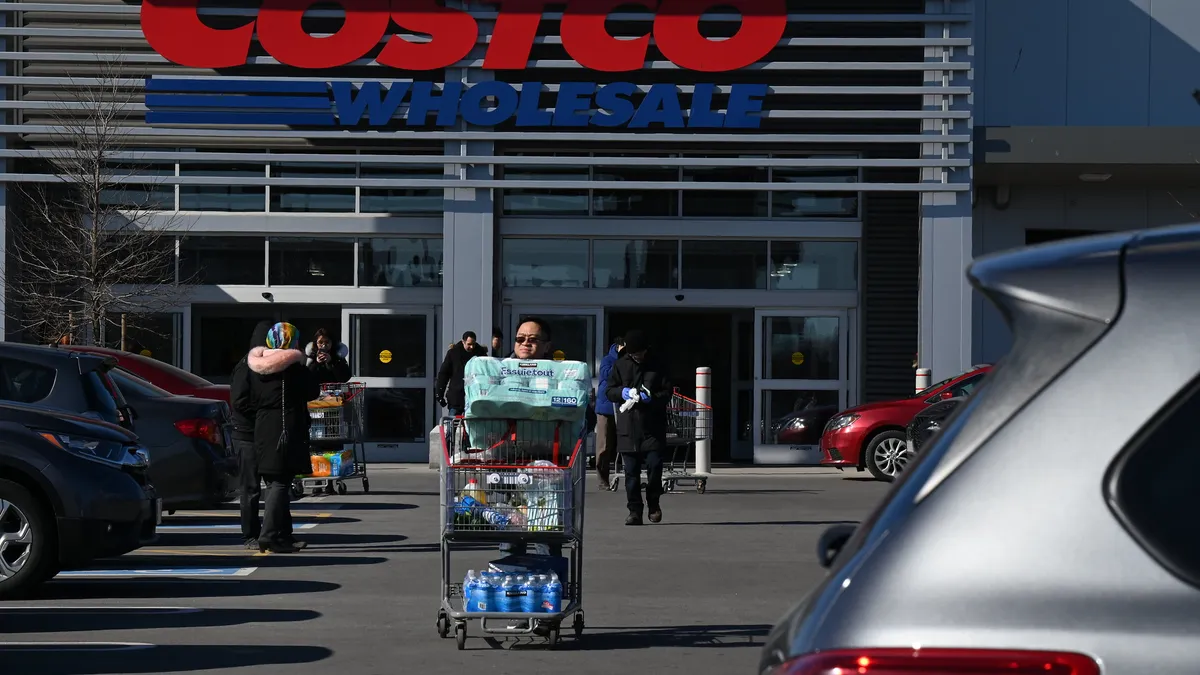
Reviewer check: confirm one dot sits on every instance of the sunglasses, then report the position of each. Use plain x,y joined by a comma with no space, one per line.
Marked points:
531,339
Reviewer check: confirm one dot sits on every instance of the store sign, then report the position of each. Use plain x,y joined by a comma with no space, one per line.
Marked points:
175,29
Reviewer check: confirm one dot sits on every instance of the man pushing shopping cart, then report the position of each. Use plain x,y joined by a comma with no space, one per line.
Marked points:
640,385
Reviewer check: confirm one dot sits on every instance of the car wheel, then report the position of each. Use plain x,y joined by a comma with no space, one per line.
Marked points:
26,541
887,454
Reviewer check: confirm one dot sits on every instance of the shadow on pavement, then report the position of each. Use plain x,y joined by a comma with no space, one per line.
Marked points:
350,507
398,493
207,522
81,589
762,492
766,522
55,620
98,660
608,639
413,548
334,540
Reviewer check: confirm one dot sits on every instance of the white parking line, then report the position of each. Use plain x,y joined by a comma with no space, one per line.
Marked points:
160,573
59,647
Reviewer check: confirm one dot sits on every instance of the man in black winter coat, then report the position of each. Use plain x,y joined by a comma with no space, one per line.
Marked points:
280,389
243,441
641,429
450,392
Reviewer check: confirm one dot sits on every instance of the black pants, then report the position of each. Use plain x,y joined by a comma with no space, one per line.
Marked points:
277,518
250,487
648,455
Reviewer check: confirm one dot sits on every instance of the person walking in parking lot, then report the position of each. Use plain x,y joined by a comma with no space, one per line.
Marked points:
450,392
642,429
280,389
249,481
606,421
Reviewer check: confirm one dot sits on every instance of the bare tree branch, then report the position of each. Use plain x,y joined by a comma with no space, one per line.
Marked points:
91,245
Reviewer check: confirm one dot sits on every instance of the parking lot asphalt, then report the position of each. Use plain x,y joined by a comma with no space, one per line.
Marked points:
696,593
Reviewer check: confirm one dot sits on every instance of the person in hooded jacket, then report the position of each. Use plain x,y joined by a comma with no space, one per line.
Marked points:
606,421
249,481
641,430
280,389
326,360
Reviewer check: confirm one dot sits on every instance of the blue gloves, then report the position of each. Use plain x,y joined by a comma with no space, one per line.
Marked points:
645,396
629,393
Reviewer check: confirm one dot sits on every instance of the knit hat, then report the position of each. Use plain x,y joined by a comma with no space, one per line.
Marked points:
283,336
635,341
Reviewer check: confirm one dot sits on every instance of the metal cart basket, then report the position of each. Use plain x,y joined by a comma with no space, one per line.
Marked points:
336,431
517,482
688,421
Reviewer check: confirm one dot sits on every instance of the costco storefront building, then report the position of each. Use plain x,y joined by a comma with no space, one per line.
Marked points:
778,189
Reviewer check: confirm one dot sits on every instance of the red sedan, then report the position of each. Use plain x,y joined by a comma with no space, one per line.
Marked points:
872,436
163,375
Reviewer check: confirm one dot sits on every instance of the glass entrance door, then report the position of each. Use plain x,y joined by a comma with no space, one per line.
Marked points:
575,332
393,350
801,362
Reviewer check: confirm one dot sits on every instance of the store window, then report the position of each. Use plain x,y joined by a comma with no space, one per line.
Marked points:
816,338
726,203
778,407
545,263
401,201
613,201
814,204
814,265
632,263
222,260
724,264
151,192
389,345
542,201
157,336
147,257
297,261
395,414
311,198
400,262
240,198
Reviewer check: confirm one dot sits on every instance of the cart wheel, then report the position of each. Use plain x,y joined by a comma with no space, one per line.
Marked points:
701,486
578,626
443,625
553,637
297,490
366,486
341,488
668,486
460,635
616,483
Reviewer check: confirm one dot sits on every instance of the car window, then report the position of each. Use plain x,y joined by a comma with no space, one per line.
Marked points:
1153,487
25,382
967,386
134,386
100,399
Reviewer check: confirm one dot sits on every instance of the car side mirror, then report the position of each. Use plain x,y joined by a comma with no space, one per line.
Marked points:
831,542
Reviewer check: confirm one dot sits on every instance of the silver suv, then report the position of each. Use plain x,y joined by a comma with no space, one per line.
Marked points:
1053,525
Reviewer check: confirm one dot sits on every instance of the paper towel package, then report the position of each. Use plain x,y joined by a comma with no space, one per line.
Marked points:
527,390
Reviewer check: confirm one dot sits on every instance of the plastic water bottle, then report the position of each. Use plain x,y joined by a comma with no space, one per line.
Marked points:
473,599
532,594
510,600
552,596
490,593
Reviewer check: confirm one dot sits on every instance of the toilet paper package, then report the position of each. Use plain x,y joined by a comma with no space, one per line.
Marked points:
527,390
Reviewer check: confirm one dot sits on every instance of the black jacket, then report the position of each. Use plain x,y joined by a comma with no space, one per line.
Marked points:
278,377
646,420
450,376
243,426
336,369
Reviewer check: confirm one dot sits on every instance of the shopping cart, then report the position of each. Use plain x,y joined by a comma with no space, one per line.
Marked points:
512,481
335,438
688,421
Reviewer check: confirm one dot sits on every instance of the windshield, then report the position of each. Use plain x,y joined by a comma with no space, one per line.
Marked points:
929,390
135,386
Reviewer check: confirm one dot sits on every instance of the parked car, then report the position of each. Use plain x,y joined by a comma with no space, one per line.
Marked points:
872,436
164,375
980,559
65,380
72,489
192,462
802,426
927,423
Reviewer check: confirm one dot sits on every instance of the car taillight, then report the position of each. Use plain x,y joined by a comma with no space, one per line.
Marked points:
938,662
205,430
